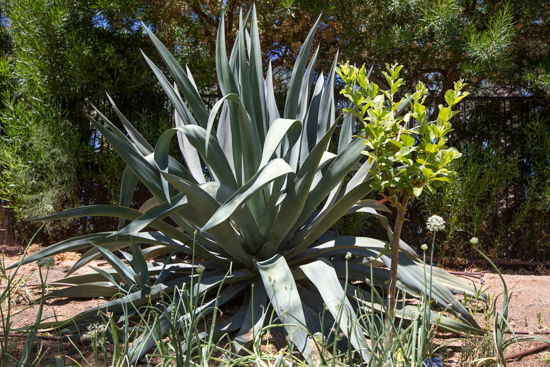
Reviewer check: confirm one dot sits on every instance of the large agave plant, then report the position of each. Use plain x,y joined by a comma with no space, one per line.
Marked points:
253,204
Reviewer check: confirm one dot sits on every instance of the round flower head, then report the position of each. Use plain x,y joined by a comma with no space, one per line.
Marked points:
200,269
436,223
319,338
348,256
424,247
474,240
47,262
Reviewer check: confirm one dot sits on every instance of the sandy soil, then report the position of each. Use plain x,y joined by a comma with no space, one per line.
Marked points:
529,313
529,309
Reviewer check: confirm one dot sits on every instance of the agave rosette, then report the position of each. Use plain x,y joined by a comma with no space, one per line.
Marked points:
253,203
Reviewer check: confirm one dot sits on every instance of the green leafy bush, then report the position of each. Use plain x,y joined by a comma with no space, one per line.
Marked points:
500,197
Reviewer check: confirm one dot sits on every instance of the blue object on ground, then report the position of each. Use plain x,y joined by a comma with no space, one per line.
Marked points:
433,362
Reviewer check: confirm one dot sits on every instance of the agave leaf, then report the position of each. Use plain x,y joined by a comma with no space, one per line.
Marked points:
329,203
142,297
155,251
455,284
359,177
149,204
257,87
370,247
224,136
322,275
197,137
113,244
234,59
156,214
361,272
148,338
93,210
139,141
127,189
271,104
281,128
174,168
124,271
185,84
115,130
85,291
368,206
154,270
327,103
272,170
204,207
71,244
306,236
191,80
139,265
243,79
113,211
339,168
412,275
281,290
443,323
346,131
109,277
305,88
383,220
221,193
189,153
173,95
143,170
315,313
309,134
249,138
296,196
293,95
225,76
243,217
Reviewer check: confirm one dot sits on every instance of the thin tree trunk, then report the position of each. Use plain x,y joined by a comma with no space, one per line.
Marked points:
395,258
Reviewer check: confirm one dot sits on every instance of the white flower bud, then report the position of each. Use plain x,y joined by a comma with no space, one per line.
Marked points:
47,262
200,269
424,247
474,240
436,223
348,256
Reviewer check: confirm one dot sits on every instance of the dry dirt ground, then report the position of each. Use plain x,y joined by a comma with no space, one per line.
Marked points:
529,309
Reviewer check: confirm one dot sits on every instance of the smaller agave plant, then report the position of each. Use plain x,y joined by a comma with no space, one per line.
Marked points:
252,207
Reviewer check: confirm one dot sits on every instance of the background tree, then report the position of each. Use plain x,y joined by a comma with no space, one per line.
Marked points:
495,46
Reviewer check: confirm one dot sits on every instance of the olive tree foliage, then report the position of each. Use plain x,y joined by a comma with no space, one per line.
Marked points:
59,53
495,46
